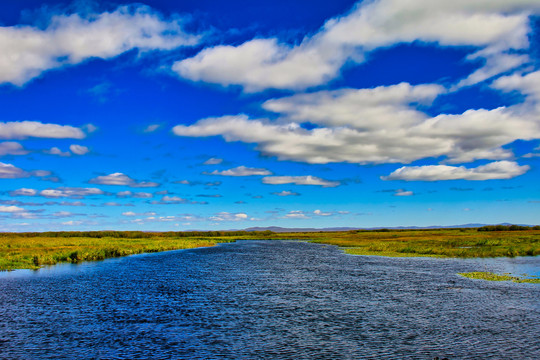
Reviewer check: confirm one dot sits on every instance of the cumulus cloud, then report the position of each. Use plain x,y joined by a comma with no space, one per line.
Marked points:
493,31
71,38
9,171
363,109
379,125
494,170
79,149
26,129
226,216
241,171
12,148
121,180
299,180
173,199
10,209
56,151
71,192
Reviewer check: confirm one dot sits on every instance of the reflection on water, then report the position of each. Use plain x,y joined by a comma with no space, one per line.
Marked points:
269,300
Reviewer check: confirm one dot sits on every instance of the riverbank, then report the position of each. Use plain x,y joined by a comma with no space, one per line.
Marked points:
32,250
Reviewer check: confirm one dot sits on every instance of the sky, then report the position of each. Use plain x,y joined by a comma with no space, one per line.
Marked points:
211,115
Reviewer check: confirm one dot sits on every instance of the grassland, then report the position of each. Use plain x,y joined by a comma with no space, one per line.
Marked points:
32,250
460,243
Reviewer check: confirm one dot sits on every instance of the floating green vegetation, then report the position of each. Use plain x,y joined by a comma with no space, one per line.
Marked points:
489,276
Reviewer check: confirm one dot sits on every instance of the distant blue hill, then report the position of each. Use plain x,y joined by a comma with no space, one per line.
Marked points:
282,229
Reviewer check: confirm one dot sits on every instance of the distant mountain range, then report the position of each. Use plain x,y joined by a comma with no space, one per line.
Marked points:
278,229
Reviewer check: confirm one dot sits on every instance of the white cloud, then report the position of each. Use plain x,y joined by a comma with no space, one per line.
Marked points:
129,213
402,192
70,39
142,195
299,180
12,148
79,149
23,192
286,193
72,203
172,199
213,161
112,203
494,170
492,30
56,151
10,209
89,128
26,129
528,84
362,109
72,223
379,125
60,214
121,180
151,128
9,171
321,213
263,63
296,214
241,171
72,192
124,193
226,216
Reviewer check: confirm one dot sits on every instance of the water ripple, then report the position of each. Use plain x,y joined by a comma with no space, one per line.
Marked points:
266,300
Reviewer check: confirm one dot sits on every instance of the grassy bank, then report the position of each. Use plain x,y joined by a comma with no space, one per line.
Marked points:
32,250
462,243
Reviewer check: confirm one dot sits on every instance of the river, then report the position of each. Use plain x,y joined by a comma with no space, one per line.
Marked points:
269,300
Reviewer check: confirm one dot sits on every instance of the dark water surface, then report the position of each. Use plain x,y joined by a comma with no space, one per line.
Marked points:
268,300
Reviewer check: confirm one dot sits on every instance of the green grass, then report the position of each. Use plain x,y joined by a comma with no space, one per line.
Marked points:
32,250
460,243
489,276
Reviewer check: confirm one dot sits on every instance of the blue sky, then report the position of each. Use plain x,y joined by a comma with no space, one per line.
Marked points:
178,115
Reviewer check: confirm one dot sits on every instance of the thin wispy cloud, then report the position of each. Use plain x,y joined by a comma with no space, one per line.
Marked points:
241,171
299,180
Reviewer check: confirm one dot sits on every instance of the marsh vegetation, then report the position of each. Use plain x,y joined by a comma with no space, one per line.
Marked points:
486,275
32,250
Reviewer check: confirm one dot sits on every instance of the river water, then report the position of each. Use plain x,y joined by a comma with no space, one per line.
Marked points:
269,300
